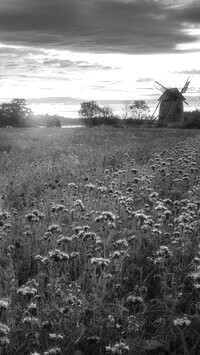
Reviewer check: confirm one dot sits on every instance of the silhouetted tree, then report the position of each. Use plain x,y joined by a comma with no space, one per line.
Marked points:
15,114
139,109
94,115
90,112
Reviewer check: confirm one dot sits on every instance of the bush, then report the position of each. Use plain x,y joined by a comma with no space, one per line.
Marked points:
52,121
192,120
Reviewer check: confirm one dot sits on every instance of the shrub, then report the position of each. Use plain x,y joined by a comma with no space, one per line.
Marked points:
192,119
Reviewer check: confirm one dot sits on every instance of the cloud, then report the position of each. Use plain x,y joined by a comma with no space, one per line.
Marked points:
63,63
57,100
134,26
190,72
144,80
188,12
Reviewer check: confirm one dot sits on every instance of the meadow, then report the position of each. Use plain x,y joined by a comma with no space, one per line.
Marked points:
100,243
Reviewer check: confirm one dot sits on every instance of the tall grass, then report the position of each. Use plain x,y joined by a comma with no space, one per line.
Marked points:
100,242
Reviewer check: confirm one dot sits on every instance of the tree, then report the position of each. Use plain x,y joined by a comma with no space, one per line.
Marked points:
15,114
94,115
52,121
106,114
126,110
139,109
90,112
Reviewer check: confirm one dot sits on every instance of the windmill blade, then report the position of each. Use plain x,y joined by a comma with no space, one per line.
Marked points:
152,117
185,87
162,88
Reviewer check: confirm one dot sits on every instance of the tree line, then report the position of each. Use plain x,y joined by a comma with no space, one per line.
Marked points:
17,114
92,114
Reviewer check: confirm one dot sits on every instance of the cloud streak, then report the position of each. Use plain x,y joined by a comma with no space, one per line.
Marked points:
134,26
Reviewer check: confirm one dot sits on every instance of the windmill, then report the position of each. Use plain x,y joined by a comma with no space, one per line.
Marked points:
170,104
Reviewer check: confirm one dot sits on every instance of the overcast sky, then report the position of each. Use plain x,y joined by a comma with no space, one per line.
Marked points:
97,49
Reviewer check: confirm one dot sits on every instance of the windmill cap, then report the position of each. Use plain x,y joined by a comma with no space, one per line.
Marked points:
171,94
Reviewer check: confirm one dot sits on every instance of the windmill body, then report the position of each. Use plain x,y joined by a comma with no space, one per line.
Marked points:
170,103
171,107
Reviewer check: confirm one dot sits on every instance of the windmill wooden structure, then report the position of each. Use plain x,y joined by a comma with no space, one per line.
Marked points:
170,105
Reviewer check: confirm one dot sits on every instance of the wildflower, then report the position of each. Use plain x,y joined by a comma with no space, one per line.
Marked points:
100,261
168,201
136,180
30,217
153,196
31,321
182,321
167,214
86,228
74,255
118,348
156,232
111,320
164,252
7,227
4,341
99,241
160,206
89,236
77,229
109,216
72,185
134,299
122,243
65,240
3,304
140,217
54,228
60,208
57,255
90,187
53,351
4,330
47,236
111,225
102,189
79,203
27,291
134,171
38,258
54,336
116,254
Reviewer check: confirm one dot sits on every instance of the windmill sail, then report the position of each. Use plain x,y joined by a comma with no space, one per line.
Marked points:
161,88
185,87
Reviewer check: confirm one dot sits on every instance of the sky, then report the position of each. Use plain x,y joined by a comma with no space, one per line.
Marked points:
58,53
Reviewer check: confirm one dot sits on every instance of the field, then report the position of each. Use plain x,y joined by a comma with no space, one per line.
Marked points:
100,243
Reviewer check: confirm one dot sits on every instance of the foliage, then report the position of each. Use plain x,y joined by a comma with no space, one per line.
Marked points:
192,119
50,121
15,114
94,115
138,110
100,249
